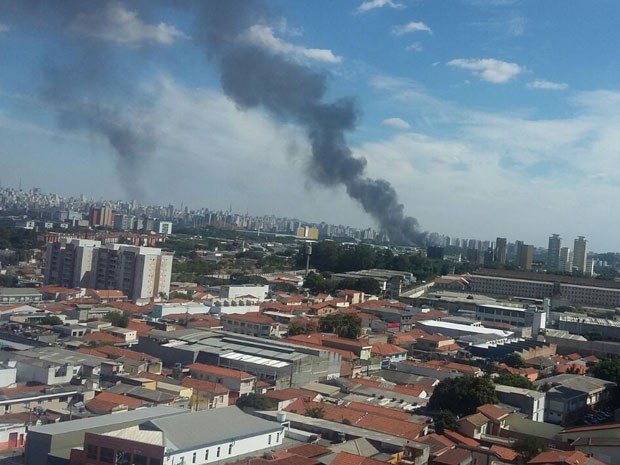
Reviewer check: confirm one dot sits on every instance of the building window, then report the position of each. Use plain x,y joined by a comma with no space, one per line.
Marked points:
269,439
230,446
277,437
106,455
194,457
92,451
139,459
207,454
217,453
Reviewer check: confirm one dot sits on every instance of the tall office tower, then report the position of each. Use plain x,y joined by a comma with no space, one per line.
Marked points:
553,253
70,263
525,256
566,260
580,254
501,248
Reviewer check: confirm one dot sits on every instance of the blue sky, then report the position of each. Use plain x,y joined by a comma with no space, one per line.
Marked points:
489,117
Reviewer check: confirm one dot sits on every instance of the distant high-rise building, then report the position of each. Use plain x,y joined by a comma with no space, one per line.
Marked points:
501,250
566,260
525,256
553,252
580,254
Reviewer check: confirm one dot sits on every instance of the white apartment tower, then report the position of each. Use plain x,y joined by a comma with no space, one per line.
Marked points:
553,252
142,273
580,254
566,260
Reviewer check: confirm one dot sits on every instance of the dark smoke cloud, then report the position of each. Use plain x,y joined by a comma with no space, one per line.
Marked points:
255,77
92,90
87,85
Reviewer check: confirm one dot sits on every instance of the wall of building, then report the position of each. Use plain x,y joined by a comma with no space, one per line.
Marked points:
227,450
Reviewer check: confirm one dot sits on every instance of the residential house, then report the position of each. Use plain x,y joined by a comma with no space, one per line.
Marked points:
528,401
389,354
235,380
250,323
496,416
473,426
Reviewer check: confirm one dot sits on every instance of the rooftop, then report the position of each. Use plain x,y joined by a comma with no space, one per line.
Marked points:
212,426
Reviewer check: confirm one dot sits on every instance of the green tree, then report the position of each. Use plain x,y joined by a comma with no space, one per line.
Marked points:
514,360
51,320
463,394
513,379
318,283
365,285
302,326
346,325
529,447
315,412
256,402
609,370
445,420
118,318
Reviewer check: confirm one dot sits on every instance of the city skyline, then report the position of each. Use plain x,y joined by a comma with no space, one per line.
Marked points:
31,200
481,121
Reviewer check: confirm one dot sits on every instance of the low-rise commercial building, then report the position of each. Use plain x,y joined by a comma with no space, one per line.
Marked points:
277,363
207,436
528,401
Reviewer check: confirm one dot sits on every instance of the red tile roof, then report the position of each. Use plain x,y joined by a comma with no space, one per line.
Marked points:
573,457
252,317
106,402
102,337
437,443
363,418
201,385
309,450
345,458
93,352
493,412
453,457
504,453
219,371
460,439
384,349
290,394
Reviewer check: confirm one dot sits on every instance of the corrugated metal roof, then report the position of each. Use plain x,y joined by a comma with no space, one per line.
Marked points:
87,424
205,427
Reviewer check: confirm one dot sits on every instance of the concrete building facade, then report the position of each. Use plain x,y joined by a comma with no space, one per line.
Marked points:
140,272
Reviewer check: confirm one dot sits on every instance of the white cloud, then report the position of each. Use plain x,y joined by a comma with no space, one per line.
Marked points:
414,47
489,69
398,123
547,85
414,26
115,23
264,37
373,4
4,28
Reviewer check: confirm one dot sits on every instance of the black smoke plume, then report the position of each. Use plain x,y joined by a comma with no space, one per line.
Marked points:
92,90
255,77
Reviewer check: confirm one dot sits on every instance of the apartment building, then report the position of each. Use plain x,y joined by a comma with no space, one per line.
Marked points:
141,273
